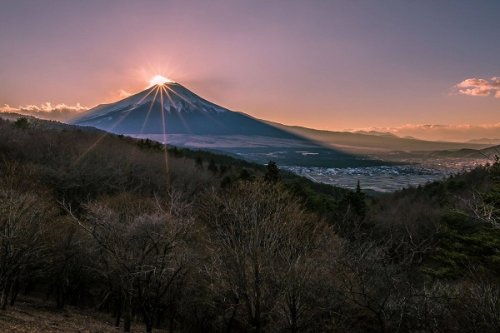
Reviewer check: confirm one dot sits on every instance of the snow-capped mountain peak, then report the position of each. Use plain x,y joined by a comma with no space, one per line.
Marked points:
170,108
168,97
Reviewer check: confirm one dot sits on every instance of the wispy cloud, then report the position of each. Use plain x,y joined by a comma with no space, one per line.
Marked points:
123,93
478,87
461,132
47,110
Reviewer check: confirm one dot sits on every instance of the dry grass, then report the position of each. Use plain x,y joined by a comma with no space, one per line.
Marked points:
31,315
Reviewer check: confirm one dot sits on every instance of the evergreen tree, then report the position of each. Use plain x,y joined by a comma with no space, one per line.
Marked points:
223,169
273,172
212,167
245,175
22,123
358,201
199,162
226,182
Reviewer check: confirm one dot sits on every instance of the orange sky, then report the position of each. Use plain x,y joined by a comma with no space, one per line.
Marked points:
323,64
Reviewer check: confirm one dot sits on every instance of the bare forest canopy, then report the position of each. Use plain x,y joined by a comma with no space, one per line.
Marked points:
192,241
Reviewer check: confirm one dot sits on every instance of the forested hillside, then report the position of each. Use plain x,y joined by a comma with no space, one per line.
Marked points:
191,241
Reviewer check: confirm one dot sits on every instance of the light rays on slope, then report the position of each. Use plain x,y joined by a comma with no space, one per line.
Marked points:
149,110
159,94
109,130
165,151
179,114
158,90
191,104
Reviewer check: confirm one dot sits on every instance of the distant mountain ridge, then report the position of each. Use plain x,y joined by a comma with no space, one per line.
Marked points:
377,133
485,141
485,153
367,142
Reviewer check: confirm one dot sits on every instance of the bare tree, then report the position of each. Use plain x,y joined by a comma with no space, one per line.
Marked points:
141,254
262,243
23,222
373,286
481,210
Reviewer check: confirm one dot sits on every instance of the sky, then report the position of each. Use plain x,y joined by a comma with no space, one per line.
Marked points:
336,65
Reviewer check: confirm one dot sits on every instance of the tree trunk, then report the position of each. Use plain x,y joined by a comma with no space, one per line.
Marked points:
257,326
14,292
127,318
293,315
149,326
60,297
171,324
148,319
158,317
5,297
229,327
294,328
118,314
381,322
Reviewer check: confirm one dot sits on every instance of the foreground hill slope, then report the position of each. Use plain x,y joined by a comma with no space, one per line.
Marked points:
87,162
32,315
130,233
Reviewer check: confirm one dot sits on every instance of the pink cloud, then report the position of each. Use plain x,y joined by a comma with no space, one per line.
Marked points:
479,87
495,82
47,110
124,93
451,132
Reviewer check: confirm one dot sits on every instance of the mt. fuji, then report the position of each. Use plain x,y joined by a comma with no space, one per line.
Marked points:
170,109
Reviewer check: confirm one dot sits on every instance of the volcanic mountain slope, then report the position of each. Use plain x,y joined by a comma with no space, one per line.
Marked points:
172,114
169,109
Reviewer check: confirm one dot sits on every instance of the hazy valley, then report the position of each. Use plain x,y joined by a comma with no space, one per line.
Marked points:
381,162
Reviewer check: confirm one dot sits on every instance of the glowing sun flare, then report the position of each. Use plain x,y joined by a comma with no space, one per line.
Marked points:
159,80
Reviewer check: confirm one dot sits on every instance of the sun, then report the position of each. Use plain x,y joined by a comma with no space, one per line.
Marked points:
159,80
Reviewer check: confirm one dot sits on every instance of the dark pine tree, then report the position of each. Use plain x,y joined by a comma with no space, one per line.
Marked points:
22,123
212,167
245,175
358,202
199,162
273,172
